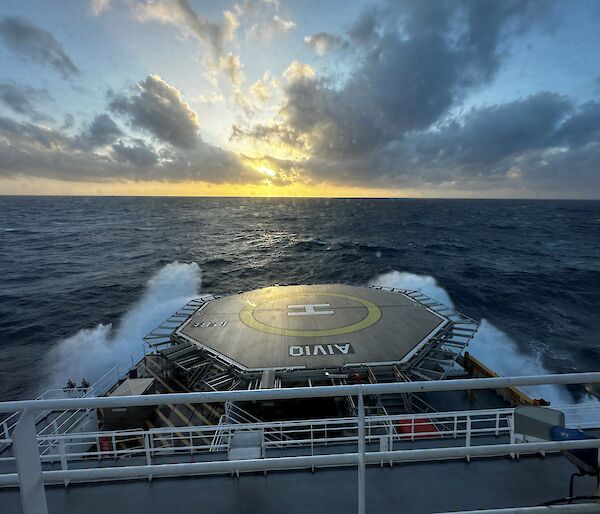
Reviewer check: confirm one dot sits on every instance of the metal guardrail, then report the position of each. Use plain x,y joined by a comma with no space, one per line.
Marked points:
300,392
304,435
31,477
160,336
69,419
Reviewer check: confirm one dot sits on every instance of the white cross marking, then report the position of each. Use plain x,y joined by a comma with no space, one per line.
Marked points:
309,309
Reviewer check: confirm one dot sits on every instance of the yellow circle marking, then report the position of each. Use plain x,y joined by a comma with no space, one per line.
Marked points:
372,317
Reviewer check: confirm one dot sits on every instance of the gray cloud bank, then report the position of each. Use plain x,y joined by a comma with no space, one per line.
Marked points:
23,99
397,120
35,44
102,150
159,109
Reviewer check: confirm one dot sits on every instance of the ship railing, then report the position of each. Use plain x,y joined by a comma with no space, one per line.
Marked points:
449,312
160,336
242,420
50,421
367,445
382,430
117,372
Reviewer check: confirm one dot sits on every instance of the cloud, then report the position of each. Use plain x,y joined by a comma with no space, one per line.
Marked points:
158,108
32,134
22,99
395,120
260,91
282,25
210,98
582,127
103,151
364,28
98,6
263,19
32,150
407,79
535,144
214,35
298,71
488,135
138,154
232,67
324,43
101,132
181,14
68,122
35,44
275,135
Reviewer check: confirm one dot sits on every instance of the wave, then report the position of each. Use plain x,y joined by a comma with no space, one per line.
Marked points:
490,345
91,352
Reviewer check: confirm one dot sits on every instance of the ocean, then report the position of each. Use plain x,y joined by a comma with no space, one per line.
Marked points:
83,279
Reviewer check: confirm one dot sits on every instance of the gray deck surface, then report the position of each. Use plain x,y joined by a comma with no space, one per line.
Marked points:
271,325
406,488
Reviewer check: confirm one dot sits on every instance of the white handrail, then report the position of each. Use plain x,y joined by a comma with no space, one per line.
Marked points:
302,462
300,392
99,387
27,459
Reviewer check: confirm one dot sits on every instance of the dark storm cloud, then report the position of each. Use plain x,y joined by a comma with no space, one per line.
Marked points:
31,42
532,135
396,119
402,85
540,142
32,134
101,132
159,109
138,154
490,134
23,99
582,127
28,149
363,30
425,57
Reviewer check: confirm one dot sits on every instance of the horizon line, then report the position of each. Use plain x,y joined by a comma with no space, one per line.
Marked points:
350,197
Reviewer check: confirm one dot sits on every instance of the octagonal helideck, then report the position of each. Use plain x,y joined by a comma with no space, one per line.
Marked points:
312,326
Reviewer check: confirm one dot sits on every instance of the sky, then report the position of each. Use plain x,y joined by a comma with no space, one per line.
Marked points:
406,98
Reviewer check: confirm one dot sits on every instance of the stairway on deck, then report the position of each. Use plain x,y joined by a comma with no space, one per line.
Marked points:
184,415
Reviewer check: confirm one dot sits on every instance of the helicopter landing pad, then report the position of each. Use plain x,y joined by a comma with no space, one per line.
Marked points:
312,326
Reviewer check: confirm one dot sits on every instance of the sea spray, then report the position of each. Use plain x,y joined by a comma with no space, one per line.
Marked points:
91,352
490,345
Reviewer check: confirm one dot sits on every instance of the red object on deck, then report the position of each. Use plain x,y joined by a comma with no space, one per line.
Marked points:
423,428
105,444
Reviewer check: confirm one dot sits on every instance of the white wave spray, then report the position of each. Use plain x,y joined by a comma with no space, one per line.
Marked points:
490,345
92,352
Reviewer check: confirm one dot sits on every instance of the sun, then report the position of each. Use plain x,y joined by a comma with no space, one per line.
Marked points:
266,171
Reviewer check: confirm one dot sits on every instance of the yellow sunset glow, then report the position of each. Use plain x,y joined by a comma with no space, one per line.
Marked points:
266,171
44,186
